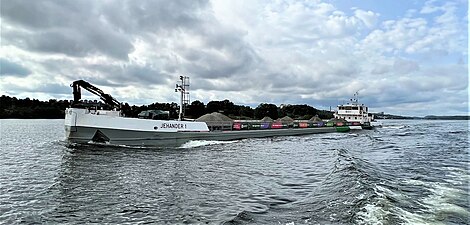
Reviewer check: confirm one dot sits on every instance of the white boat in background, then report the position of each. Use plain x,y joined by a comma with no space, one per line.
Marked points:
357,115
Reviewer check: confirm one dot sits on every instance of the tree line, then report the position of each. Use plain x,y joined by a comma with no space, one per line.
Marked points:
12,107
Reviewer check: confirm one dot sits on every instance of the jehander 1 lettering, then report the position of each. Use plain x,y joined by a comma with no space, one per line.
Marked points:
173,126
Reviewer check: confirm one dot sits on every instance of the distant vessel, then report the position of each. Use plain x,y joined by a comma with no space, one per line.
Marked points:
357,115
85,125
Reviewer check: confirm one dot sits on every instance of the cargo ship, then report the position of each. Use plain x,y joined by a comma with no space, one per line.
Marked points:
92,125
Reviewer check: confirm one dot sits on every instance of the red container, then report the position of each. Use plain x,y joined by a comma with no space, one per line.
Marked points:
303,125
236,126
276,126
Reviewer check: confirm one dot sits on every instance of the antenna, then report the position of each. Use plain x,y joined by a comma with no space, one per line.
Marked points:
184,89
355,99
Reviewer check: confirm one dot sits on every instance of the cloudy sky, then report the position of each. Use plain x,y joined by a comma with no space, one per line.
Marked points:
407,57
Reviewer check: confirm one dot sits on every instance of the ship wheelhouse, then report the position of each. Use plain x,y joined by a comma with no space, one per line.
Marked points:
353,112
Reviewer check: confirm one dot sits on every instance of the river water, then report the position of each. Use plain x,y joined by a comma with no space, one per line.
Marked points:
408,172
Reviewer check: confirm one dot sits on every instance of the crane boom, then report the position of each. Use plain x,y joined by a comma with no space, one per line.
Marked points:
108,99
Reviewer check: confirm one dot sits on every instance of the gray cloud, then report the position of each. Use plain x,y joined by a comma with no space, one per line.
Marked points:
209,64
8,68
89,27
53,88
68,27
49,88
249,52
132,74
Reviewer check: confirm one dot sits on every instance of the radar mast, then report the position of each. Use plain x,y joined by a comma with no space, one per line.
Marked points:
183,88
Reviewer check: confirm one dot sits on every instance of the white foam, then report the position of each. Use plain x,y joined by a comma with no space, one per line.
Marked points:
414,182
376,212
437,204
199,143
372,214
395,126
129,146
411,218
383,191
439,200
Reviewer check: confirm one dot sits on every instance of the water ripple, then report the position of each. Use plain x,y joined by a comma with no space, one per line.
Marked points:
406,172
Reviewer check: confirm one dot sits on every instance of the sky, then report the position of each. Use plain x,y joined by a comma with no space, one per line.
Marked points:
403,57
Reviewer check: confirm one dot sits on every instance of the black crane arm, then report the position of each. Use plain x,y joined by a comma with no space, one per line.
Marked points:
108,99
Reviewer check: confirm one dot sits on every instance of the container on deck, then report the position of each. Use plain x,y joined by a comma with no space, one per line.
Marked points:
236,126
245,126
276,125
255,126
265,125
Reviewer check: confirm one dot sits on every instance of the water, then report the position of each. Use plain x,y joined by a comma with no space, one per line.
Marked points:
408,172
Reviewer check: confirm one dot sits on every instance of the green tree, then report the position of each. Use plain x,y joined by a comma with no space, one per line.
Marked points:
298,111
246,111
226,107
266,109
196,109
325,114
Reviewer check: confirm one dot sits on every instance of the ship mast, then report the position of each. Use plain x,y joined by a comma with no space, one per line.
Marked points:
183,88
356,97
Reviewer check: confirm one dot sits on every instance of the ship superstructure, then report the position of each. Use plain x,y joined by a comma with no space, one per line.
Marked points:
355,113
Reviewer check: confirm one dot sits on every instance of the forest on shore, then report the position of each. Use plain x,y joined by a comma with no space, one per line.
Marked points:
12,107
